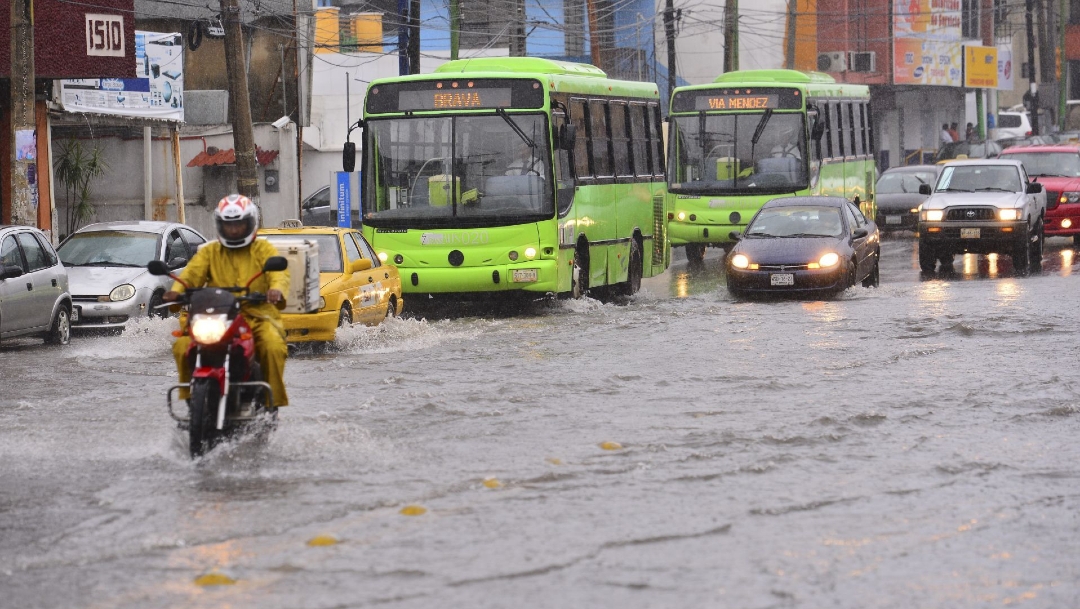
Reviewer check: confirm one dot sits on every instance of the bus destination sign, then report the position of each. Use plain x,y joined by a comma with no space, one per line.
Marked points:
738,99
454,94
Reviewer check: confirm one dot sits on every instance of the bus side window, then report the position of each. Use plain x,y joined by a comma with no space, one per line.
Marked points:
579,115
620,139
639,142
564,176
852,118
600,137
830,135
656,141
870,147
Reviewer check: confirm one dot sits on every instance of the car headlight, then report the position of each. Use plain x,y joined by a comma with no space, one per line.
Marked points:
828,260
740,261
1008,214
1069,197
934,215
122,292
209,329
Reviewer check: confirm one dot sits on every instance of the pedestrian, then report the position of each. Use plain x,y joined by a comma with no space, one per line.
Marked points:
971,136
954,133
946,137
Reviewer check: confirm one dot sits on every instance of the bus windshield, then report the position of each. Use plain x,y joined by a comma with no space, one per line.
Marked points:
738,153
470,170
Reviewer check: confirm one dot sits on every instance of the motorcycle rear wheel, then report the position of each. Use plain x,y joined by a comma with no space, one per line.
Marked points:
202,425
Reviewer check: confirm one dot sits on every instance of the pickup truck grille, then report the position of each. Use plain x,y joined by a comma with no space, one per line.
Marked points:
961,214
1052,199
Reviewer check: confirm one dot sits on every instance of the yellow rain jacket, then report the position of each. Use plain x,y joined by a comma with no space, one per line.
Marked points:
217,266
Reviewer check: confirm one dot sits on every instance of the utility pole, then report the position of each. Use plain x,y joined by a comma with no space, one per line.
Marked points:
455,28
669,31
731,35
517,29
594,34
1033,105
792,15
23,163
414,36
247,178
403,37
1062,75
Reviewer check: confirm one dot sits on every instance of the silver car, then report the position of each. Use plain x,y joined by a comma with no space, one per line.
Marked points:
106,264
34,297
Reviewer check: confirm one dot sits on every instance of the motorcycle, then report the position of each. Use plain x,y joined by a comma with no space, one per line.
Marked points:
227,391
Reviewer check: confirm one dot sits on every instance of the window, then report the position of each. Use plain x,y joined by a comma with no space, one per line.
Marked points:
852,129
656,139
828,137
620,139
852,222
351,251
579,115
600,138
175,247
839,130
858,146
10,255
47,248
564,177
639,142
969,20
860,219
365,250
193,240
35,256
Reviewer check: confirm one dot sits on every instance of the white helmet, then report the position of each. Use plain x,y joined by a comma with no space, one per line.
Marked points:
237,220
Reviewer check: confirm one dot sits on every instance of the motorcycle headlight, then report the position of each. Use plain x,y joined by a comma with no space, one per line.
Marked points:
122,292
208,329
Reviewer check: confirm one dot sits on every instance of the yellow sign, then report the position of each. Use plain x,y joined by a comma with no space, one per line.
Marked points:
980,67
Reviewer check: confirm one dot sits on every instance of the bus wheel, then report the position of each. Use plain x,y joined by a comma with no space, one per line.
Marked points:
579,281
634,272
695,254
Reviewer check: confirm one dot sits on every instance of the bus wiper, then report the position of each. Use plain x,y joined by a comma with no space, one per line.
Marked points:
513,125
761,126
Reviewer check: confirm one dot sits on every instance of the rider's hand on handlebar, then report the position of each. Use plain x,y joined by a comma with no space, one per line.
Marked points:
170,296
273,296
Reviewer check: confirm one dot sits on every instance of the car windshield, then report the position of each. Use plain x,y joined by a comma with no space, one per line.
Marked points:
796,221
1058,164
749,153
971,178
457,171
329,249
902,183
109,248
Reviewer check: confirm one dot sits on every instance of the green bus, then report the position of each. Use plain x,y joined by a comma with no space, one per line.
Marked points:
518,175
755,135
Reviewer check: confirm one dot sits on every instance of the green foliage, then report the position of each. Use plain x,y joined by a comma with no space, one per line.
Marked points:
75,167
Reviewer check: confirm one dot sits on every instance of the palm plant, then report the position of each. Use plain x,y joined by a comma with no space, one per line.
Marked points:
76,167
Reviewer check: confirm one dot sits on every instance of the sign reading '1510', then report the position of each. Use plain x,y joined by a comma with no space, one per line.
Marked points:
104,35
737,99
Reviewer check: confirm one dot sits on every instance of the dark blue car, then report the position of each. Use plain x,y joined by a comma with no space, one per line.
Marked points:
804,246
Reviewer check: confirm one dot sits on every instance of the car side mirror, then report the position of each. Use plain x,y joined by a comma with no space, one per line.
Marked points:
1034,188
859,233
348,157
177,262
735,235
924,189
9,272
362,264
276,263
157,267
567,136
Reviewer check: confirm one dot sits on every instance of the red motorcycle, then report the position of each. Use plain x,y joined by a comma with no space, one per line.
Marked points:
227,391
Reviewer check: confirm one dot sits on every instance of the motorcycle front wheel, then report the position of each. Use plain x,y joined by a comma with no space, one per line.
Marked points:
202,426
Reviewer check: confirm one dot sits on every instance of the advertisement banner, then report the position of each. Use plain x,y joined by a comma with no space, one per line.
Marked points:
928,19
927,62
156,92
343,198
1005,68
980,67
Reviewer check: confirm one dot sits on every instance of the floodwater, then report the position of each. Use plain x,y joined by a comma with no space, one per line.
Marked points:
915,445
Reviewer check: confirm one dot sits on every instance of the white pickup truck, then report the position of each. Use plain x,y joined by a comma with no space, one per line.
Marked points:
982,206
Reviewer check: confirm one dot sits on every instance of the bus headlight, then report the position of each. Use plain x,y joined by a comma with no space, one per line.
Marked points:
828,260
1008,214
740,261
934,215
208,329
383,256
530,253
122,292
681,216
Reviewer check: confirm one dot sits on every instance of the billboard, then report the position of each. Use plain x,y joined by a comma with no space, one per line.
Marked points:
927,62
928,19
980,67
157,91
1005,68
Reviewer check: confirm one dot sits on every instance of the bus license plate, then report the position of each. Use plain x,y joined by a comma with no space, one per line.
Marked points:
892,219
782,279
969,233
525,275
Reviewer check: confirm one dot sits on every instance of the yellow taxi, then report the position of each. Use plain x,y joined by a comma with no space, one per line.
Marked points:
354,285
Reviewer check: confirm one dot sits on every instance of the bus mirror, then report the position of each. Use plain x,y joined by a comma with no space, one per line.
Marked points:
568,136
348,157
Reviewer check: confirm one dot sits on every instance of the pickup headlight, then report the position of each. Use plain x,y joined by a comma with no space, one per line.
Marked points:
934,215
1008,215
1069,197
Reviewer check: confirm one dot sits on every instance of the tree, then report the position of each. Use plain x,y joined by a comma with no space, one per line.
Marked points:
76,166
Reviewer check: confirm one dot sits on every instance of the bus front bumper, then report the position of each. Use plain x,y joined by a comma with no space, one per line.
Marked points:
536,276
681,233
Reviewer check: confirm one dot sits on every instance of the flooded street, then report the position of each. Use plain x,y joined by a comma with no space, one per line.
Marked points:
915,445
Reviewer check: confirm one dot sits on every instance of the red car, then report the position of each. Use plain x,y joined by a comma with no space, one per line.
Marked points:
1057,168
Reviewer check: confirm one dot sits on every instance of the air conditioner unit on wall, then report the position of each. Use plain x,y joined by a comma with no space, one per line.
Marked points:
862,61
832,61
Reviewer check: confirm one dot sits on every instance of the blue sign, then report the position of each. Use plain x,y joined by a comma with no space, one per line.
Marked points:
343,196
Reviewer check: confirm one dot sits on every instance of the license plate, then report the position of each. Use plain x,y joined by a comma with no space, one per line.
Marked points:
75,311
970,233
782,279
893,219
524,275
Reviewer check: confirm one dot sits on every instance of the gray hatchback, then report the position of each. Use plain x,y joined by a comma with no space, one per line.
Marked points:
34,298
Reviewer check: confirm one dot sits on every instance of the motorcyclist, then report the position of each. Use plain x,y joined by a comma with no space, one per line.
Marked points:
236,257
